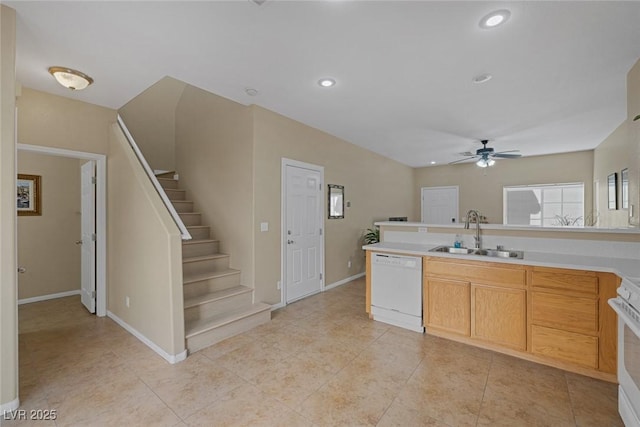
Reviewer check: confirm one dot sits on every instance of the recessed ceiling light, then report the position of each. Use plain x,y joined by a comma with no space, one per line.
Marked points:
494,19
71,79
251,91
326,82
482,78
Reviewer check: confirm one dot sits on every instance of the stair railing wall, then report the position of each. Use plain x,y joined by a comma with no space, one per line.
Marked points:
156,184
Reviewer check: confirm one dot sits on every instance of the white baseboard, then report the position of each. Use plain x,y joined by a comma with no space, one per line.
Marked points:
171,358
9,407
343,281
48,297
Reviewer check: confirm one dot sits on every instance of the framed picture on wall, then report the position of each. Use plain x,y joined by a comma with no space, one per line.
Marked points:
624,182
612,190
28,200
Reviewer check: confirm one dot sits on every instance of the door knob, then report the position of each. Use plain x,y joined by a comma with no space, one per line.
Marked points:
78,242
22,270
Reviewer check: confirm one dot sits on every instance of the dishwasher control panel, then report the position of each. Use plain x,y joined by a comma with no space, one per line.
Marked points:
395,261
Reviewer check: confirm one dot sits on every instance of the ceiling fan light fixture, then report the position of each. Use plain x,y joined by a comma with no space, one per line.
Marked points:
495,19
483,163
69,78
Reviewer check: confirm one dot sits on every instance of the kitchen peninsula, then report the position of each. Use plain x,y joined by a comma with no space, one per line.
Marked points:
550,306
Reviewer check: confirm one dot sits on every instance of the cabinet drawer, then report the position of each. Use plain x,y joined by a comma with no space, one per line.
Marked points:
564,311
565,280
476,272
566,346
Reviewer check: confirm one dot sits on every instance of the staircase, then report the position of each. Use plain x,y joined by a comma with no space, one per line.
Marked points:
216,305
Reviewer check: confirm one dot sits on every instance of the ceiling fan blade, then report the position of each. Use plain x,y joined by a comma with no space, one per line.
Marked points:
506,156
508,151
462,160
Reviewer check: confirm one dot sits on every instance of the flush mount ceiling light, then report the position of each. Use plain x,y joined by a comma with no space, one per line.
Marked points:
326,82
251,91
482,78
494,19
71,79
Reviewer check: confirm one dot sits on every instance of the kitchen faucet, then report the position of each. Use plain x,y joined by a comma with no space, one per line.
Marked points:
466,225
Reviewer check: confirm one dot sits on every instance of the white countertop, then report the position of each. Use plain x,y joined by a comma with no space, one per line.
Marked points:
622,230
624,267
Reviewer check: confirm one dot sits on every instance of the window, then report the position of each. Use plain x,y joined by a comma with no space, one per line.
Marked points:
548,205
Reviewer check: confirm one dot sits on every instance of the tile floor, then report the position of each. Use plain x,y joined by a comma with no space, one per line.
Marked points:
320,362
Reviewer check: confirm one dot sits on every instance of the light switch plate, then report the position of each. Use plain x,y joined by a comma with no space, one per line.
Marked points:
264,226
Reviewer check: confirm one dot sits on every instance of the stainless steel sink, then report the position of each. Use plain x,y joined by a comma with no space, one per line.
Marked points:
452,250
499,253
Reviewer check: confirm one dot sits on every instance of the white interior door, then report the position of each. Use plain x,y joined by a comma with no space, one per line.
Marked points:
88,244
302,232
440,205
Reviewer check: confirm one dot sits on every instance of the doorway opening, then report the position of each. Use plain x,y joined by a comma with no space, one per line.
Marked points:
93,206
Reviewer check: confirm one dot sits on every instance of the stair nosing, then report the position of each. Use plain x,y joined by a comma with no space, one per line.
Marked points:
204,257
199,241
216,296
214,322
209,275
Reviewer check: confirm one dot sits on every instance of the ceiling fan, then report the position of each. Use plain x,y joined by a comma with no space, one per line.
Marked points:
486,155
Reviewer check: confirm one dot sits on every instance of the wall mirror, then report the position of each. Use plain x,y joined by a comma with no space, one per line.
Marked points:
336,201
612,190
624,182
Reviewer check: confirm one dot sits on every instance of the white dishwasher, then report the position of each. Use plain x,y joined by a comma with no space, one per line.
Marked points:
396,290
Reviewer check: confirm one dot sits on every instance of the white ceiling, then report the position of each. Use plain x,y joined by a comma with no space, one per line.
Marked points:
403,69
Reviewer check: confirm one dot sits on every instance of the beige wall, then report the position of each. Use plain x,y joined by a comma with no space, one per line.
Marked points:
46,243
8,289
215,161
633,109
56,121
481,188
134,234
144,252
377,188
150,117
613,155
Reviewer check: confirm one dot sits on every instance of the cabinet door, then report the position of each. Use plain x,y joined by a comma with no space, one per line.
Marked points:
499,315
447,306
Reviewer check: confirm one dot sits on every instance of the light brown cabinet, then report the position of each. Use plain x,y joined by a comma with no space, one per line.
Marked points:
555,316
483,301
447,305
499,316
570,320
